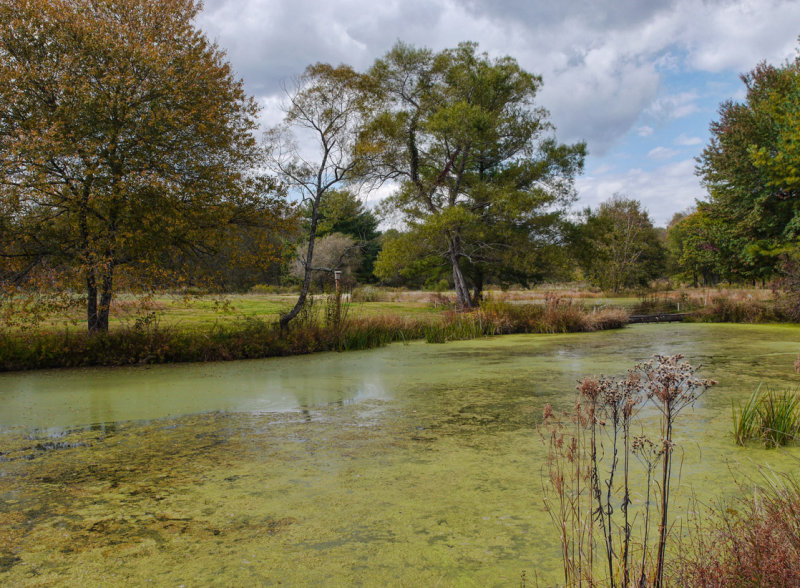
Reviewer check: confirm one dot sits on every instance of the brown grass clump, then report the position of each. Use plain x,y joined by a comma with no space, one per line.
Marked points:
754,541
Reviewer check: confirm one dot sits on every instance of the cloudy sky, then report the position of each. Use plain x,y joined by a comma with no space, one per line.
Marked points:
638,80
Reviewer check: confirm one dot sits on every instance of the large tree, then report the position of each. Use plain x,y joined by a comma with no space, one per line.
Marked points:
125,142
750,168
481,179
618,247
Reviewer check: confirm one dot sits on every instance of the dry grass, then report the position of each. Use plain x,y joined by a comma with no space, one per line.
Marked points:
754,541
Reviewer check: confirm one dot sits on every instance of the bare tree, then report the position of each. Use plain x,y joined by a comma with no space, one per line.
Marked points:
334,252
326,106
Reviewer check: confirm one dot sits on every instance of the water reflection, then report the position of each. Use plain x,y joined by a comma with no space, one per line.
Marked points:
413,464
544,365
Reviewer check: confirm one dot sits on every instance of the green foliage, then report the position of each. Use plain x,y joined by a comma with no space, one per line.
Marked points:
771,417
340,211
482,178
745,419
694,243
750,168
617,246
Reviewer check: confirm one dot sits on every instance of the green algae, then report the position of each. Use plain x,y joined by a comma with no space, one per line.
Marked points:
411,465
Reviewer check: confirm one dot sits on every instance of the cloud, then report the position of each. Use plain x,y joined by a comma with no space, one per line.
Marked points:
673,106
611,68
603,61
661,153
644,131
663,191
687,141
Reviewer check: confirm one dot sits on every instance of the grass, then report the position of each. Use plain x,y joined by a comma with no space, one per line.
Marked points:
745,419
753,541
152,339
771,417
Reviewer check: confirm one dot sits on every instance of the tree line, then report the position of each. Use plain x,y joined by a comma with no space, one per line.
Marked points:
129,161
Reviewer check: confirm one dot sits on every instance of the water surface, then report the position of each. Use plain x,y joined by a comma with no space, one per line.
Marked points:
410,465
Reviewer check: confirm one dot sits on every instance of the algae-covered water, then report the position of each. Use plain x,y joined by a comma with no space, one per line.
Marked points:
412,465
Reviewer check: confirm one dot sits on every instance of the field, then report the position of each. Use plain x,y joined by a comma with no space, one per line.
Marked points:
185,312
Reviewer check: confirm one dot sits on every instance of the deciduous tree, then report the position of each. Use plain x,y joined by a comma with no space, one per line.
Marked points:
125,143
618,245
326,109
750,168
481,179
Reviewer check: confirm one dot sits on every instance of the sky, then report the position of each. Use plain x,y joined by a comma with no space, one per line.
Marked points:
638,80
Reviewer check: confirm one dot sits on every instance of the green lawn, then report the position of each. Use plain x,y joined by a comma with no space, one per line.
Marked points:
193,313
204,312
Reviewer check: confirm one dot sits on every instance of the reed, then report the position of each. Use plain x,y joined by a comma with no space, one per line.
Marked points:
746,419
779,418
771,417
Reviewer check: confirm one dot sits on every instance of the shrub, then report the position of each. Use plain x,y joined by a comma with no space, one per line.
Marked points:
365,294
273,289
753,541
727,310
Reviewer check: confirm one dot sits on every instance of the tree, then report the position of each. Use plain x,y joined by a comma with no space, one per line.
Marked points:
618,246
341,211
750,171
327,106
125,144
480,178
693,243
333,252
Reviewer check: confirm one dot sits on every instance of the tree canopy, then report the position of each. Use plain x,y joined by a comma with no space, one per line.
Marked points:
617,246
751,167
481,178
125,143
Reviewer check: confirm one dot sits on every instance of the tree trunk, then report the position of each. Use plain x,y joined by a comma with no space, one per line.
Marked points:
460,284
462,291
477,290
312,235
91,303
104,310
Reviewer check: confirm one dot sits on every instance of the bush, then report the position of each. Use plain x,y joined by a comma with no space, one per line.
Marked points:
754,541
365,294
274,289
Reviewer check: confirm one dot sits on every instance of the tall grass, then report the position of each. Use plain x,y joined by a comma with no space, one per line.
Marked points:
772,417
753,541
745,418
146,342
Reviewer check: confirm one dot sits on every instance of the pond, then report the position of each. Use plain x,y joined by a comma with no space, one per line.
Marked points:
411,465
